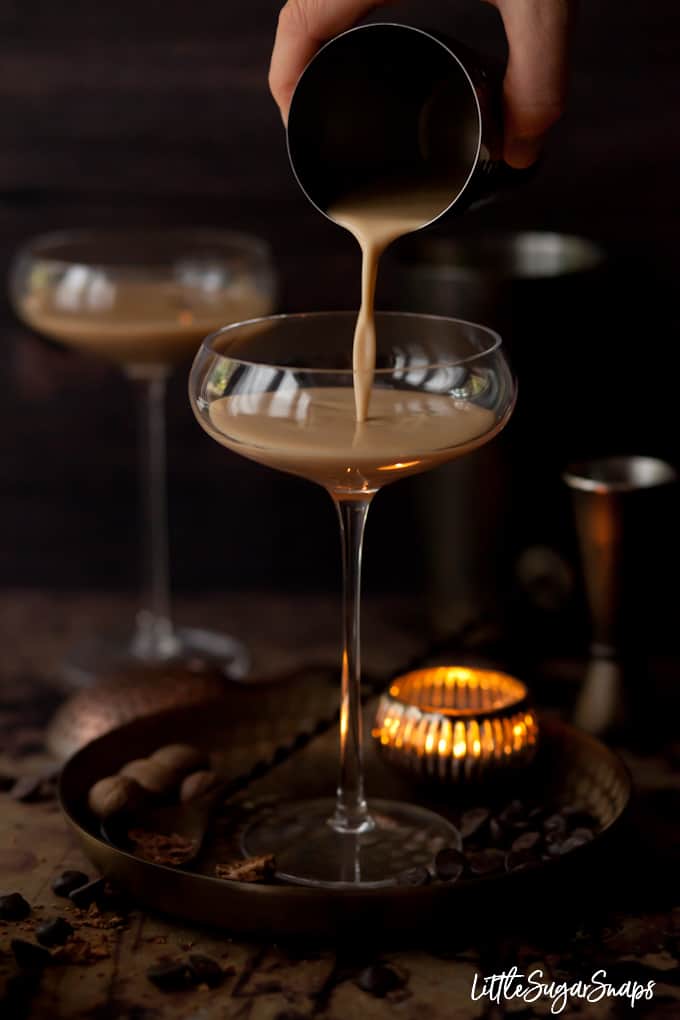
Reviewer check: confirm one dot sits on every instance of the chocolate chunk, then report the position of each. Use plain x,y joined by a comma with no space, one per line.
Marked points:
472,821
85,895
28,955
449,864
379,980
527,841
171,975
13,907
419,875
486,862
54,933
68,881
205,970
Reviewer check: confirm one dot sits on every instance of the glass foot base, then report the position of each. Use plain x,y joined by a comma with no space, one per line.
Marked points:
104,654
309,851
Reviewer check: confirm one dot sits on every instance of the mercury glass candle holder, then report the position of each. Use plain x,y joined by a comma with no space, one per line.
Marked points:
456,724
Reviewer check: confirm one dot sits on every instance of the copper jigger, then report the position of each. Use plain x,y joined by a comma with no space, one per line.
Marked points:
616,507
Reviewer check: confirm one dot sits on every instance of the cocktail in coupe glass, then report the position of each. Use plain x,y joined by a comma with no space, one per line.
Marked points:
144,299
279,391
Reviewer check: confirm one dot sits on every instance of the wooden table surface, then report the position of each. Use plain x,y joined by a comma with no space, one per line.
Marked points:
632,927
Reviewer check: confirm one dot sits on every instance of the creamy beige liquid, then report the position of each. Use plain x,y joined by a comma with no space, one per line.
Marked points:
312,432
138,322
377,217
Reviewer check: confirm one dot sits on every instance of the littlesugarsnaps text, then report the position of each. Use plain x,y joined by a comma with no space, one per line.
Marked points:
532,987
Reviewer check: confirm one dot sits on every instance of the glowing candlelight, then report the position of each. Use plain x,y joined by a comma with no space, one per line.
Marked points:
454,722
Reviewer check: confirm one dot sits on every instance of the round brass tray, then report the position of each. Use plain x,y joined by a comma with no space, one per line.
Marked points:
571,768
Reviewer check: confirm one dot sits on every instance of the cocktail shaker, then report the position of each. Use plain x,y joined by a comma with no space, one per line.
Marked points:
385,103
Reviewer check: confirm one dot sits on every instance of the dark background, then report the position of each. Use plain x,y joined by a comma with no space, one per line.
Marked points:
139,113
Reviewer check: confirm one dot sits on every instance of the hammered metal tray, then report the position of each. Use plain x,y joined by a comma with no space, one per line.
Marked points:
292,725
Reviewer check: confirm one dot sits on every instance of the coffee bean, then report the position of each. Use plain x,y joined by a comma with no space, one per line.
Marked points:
205,970
414,876
486,862
578,818
171,975
511,813
449,864
555,825
518,860
497,831
29,956
527,841
85,895
54,933
379,979
583,834
472,821
64,884
13,907
572,843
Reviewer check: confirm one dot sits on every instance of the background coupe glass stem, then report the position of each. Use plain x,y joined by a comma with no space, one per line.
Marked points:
154,639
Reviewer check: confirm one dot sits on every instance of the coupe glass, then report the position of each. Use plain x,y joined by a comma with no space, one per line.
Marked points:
279,391
144,299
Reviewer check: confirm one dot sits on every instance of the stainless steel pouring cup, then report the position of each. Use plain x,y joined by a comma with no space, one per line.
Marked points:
386,103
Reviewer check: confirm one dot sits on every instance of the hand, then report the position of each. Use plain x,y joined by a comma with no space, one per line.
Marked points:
535,83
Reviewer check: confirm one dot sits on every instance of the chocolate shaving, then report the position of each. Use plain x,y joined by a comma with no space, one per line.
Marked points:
254,869
158,848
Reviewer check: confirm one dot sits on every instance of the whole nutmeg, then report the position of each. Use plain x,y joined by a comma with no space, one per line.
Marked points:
180,759
198,783
114,794
150,775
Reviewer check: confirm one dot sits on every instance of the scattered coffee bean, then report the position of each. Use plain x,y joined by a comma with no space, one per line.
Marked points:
64,884
572,843
486,862
414,876
13,907
583,834
379,980
518,860
472,821
497,831
54,933
171,975
512,813
28,955
205,970
555,825
577,818
449,864
85,895
527,841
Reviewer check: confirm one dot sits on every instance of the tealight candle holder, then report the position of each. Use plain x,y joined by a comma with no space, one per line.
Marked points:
454,723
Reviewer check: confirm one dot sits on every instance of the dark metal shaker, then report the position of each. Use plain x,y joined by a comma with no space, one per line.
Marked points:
385,102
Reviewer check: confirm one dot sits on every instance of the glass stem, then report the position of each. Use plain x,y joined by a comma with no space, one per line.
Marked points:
351,813
154,639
